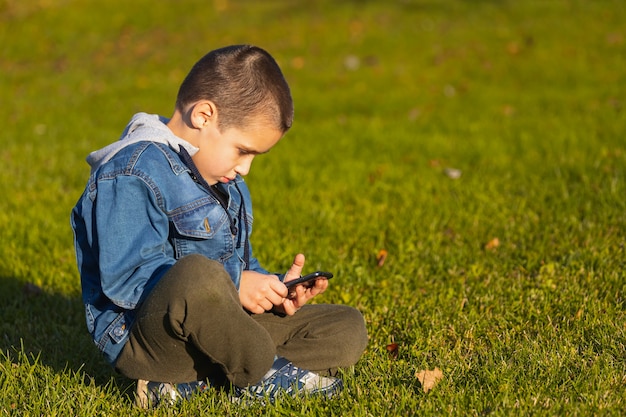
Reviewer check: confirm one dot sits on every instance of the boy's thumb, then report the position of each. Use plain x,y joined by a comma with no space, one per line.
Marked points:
296,267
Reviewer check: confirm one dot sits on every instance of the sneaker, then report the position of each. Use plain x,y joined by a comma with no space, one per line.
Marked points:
150,394
284,378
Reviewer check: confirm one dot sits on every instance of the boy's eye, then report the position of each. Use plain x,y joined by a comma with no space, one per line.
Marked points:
243,152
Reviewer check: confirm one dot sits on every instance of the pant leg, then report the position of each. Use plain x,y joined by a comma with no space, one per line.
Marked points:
192,326
319,337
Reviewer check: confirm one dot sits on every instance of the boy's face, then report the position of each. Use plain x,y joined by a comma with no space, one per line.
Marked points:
225,153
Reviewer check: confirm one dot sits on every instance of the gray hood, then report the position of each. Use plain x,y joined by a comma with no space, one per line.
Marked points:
142,127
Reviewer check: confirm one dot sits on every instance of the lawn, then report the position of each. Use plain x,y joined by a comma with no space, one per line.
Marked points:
480,145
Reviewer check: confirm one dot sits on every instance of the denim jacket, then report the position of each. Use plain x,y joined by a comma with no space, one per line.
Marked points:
142,209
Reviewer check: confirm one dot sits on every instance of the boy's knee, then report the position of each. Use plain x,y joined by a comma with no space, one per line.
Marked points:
199,274
355,332
197,265
196,285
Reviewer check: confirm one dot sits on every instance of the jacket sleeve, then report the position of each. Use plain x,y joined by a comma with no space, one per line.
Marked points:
132,233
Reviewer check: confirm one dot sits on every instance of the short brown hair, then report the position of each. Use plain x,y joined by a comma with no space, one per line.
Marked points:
244,82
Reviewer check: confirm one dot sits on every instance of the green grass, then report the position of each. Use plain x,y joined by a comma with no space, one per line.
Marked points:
526,98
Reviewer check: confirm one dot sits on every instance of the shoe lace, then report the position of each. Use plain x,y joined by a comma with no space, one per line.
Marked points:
287,378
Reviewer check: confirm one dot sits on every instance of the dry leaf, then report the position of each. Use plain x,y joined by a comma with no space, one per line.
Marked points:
381,257
579,313
513,48
429,378
392,348
435,163
297,62
453,173
377,174
352,62
31,290
492,244
508,110
449,233
414,113
221,5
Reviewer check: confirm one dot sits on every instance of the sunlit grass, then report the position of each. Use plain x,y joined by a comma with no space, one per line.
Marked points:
509,278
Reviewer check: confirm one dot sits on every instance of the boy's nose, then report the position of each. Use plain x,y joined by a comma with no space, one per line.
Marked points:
244,167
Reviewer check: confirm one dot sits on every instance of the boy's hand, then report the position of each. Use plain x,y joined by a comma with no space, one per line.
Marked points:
259,293
303,293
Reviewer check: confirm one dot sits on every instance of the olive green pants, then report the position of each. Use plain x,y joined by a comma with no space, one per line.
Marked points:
192,326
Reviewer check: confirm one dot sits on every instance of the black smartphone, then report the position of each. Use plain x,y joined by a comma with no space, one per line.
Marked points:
308,280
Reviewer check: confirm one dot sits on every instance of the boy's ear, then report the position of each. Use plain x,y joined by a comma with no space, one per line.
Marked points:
203,114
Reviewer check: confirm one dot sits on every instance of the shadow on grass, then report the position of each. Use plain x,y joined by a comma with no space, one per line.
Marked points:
51,327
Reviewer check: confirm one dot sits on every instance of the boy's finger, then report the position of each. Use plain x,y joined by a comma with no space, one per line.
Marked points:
280,289
296,267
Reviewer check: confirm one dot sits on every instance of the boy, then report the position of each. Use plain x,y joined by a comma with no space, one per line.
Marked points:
173,295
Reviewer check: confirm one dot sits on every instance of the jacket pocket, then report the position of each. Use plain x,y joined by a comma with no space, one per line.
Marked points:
202,229
200,221
115,332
